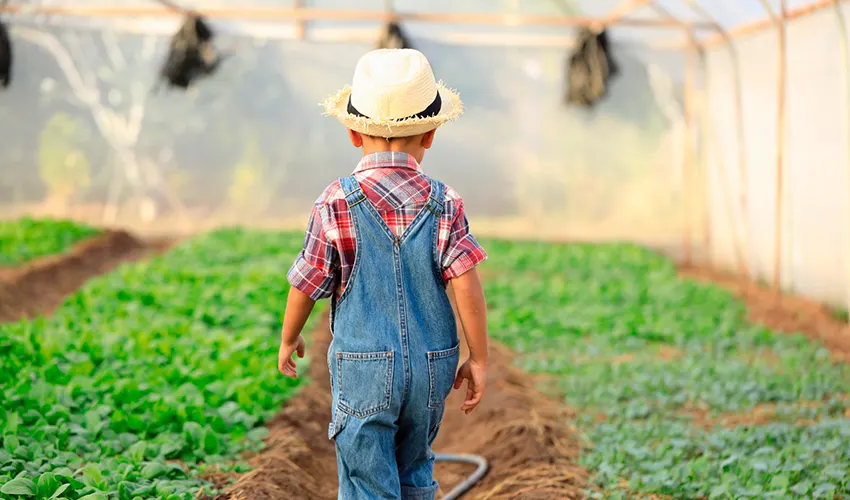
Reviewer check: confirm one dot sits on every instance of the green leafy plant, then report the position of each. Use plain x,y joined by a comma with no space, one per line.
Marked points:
148,374
678,394
27,238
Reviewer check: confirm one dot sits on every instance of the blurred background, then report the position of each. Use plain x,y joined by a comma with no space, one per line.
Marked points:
707,121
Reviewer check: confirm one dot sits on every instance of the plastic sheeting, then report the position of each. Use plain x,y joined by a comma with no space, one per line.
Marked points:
88,139
84,137
815,202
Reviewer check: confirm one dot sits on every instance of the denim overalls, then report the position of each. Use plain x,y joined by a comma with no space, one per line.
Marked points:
393,357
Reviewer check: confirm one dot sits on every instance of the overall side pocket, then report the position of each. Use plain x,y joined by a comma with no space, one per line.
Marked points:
365,382
442,368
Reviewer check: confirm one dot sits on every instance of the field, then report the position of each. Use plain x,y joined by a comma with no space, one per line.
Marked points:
26,239
677,392
147,372
614,376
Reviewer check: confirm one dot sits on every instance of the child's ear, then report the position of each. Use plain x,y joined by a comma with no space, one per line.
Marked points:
356,138
428,139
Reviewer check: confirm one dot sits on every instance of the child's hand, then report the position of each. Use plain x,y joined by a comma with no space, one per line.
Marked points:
476,374
285,363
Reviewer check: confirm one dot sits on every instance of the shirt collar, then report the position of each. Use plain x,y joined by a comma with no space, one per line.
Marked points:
387,159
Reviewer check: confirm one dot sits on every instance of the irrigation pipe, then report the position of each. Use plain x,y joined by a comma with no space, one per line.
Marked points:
469,482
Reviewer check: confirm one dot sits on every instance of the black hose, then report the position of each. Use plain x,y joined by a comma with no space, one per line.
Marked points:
469,482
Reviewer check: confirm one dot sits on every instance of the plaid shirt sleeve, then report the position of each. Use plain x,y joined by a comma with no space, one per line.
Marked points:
463,252
314,270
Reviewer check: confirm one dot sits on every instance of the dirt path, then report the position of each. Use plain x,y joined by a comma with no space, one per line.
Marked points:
523,434
41,285
782,313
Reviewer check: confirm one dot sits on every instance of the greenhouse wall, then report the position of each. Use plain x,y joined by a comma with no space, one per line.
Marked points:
815,210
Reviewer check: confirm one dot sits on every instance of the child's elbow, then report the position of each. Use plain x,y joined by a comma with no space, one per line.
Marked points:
466,281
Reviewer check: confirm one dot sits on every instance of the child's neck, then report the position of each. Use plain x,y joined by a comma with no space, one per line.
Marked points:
416,153
390,147
414,146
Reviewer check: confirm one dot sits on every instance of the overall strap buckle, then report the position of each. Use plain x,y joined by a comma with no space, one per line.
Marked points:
435,199
354,195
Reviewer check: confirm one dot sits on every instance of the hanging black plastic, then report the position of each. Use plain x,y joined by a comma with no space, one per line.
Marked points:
191,53
589,68
5,56
393,37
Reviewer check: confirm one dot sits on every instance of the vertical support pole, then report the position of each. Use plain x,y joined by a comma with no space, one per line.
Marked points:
780,151
741,254
845,122
300,24
743,245
688,176
702,142
723,182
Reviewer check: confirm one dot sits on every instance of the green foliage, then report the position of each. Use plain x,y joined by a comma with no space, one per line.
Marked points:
25,239
149,374
64,168
655,365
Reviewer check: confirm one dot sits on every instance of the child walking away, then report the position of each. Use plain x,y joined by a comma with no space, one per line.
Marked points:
384,244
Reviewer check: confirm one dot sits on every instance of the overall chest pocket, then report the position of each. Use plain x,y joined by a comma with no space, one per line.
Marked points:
365,382
442,368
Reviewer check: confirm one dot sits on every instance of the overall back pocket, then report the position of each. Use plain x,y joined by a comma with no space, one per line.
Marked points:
365,382
442,368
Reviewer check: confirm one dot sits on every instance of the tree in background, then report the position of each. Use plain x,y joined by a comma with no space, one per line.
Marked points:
62,165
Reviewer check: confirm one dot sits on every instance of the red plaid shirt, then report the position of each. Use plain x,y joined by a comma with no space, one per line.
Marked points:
397,187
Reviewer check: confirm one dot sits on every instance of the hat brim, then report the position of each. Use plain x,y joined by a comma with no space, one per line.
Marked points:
337,106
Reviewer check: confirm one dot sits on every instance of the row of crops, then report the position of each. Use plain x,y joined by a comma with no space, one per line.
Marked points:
26,239
677,393
151,375
148,376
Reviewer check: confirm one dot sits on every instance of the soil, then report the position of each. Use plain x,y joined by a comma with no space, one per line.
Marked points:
523,434
41,285
783,312
760,415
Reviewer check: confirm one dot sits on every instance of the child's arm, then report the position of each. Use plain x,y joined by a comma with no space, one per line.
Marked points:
298,308
311,278
472,310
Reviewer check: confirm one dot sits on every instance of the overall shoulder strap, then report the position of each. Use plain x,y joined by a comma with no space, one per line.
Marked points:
437,197
354,197
353,194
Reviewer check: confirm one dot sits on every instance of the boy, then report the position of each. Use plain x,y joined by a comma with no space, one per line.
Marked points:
383,244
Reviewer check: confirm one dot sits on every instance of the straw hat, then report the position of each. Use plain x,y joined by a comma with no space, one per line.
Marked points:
394,94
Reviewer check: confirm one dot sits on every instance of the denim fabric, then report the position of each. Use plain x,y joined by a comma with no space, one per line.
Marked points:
393,356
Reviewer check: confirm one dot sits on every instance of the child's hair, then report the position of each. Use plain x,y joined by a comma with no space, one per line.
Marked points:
397,139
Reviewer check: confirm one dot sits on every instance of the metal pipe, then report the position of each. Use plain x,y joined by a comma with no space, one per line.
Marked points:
712,145
624,9
703,155
742,248
469,482
686,177
845,88
687,171
780,143
760,25
301,25
353,34
314,14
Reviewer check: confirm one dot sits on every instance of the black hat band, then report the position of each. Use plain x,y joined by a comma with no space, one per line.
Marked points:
432,110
